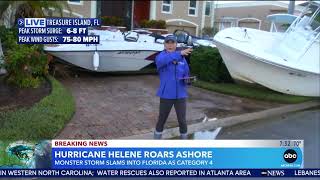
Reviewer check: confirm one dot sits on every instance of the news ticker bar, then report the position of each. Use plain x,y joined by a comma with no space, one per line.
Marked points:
298,173
57,30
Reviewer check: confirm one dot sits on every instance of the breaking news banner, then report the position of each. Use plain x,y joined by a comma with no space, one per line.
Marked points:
149,158
57,30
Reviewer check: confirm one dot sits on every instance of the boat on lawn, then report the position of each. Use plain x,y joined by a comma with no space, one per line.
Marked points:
286,62
118,51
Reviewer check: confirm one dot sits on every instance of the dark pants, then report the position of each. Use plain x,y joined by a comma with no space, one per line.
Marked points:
164,110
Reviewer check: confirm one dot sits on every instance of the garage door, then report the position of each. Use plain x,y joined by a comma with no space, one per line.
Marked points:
254,25
191,30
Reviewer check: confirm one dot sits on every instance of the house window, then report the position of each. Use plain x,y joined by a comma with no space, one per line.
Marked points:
192,10
167,6
208,8
75,2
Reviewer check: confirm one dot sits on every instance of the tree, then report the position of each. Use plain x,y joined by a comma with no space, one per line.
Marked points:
3,7
12,10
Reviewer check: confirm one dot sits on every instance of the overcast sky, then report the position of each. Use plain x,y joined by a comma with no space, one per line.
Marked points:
222,2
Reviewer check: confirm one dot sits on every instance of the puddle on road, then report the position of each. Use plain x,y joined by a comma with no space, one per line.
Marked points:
224,112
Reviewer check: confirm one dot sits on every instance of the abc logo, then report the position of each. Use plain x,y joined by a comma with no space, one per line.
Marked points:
290,156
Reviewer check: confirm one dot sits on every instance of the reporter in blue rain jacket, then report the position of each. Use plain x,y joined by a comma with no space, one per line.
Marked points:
172,67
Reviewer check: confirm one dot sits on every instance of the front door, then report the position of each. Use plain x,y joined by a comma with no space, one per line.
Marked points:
141,12
118,8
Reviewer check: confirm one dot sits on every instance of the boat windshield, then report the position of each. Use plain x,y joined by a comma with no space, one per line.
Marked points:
308,20
316,22
302,33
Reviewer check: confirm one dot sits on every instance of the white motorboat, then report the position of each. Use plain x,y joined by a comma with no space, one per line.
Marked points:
116,52
285,62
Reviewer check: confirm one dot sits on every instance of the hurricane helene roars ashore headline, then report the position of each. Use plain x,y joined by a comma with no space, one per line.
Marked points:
132,154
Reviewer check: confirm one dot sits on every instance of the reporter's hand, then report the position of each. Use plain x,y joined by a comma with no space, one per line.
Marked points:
186,52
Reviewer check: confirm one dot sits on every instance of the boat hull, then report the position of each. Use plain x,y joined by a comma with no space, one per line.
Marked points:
109,61
286,80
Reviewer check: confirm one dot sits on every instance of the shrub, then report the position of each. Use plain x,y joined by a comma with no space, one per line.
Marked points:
26,65
207,64
157,24
161,24
7,40
144,23
112,21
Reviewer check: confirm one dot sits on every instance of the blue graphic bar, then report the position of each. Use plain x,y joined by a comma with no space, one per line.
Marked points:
176,158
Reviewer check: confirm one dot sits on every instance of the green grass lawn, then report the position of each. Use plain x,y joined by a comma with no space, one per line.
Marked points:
43,120
251,92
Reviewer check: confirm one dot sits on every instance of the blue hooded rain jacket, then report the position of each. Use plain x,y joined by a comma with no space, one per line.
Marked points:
171,84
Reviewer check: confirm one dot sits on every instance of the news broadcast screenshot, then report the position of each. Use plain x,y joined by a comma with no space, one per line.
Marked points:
151,89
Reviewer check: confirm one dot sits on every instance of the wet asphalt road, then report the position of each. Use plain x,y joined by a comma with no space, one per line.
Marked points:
299,125
303,125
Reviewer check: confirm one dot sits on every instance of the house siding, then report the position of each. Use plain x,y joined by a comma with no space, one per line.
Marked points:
180,11
84,9
259,12
179,18
207,21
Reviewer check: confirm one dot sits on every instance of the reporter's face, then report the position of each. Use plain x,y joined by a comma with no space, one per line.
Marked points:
170,46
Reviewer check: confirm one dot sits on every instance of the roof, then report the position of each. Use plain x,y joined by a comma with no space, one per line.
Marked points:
258,3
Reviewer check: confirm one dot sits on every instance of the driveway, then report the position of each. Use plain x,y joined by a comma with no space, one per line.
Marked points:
113,106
